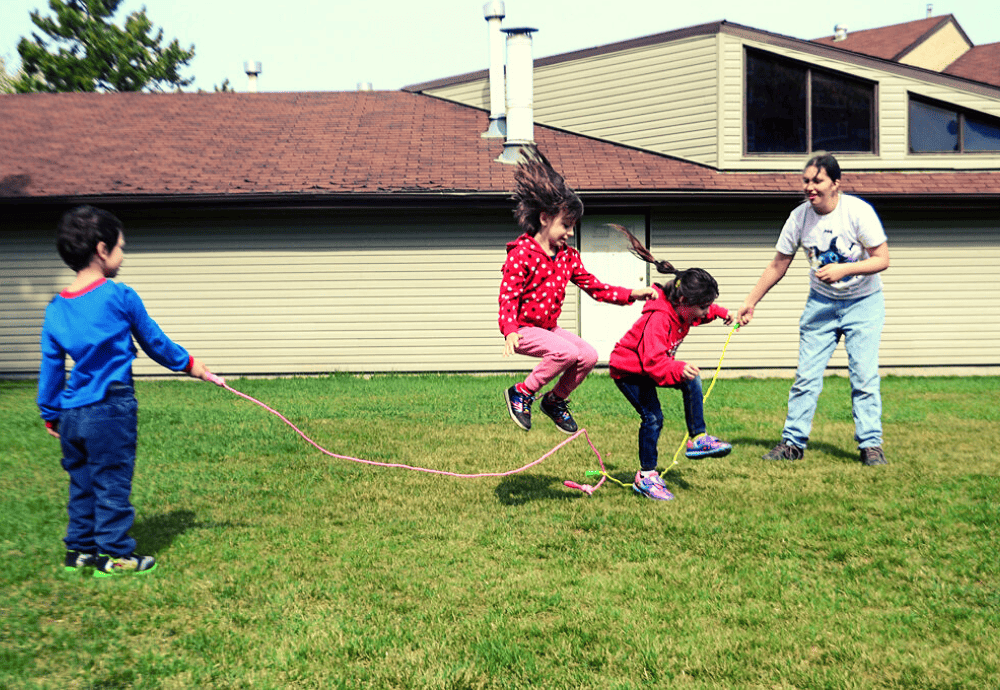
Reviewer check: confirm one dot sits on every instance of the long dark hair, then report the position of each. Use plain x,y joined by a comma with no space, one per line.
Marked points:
539,189
695,286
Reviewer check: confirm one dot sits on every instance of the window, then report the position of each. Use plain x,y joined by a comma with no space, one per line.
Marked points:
793,107
941,128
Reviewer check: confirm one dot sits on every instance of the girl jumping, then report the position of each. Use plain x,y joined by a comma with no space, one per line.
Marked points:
539,265
643,360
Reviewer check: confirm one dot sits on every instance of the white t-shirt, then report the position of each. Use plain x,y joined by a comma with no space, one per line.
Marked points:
841,236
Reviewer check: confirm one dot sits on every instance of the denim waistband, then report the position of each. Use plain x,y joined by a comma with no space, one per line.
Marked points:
117,387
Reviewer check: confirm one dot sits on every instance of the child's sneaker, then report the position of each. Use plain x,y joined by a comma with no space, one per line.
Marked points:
556,409
652,487
78,560
519,407
707,447
115,566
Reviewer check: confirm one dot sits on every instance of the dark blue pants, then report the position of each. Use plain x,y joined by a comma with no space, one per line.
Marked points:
98,445
641,392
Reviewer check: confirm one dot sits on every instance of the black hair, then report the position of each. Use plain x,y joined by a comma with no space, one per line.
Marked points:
695,286
81,230
827,162
539,189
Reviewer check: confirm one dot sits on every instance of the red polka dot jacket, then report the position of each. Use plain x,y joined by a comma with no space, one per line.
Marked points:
533,285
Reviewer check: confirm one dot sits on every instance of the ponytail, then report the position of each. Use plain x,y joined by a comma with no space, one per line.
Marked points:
695,285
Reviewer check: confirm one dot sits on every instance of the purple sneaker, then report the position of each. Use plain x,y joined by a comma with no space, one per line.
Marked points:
652,487
707,447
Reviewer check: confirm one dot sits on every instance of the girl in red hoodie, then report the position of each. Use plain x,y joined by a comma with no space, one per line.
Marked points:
539,265
643,360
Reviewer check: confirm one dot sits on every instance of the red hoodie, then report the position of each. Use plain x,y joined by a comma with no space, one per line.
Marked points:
649,346
533,286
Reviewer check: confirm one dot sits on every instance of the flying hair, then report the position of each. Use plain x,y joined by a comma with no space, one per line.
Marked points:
694,286
539,189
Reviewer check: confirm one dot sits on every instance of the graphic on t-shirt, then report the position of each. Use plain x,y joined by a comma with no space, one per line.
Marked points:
818,258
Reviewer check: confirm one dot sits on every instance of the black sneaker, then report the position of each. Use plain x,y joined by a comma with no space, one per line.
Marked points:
519,407
556,409
785,451
871,457
116,566
76,561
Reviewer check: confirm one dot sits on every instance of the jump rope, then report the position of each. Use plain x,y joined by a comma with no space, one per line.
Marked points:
586,488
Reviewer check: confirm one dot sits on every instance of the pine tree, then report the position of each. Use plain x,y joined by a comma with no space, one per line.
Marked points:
84,51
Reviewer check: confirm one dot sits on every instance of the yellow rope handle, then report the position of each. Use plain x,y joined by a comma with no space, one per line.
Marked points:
715,376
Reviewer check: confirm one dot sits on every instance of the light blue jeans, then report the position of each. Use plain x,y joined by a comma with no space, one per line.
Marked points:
824,321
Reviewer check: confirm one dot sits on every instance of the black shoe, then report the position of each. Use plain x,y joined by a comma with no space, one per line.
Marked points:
519,407
116,566
78,560
785,451
556,409
871,457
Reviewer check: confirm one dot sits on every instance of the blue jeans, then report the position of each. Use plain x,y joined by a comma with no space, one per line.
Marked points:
641,392
98,445
824,322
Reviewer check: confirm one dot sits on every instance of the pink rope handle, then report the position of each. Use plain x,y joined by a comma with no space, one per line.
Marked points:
586,488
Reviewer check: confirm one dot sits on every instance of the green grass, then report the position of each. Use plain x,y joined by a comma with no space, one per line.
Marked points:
281,567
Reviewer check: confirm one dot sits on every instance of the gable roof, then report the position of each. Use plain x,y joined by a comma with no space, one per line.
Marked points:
303,147
892,42
981,63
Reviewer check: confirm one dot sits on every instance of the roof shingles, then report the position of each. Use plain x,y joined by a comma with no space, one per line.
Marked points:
332,143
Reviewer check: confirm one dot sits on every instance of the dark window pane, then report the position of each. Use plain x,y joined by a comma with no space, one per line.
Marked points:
981,133
842,114
932,128
776,106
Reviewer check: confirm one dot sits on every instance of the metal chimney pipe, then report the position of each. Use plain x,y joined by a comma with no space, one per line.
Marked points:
494,13
252,69
930,10
520,94
840,32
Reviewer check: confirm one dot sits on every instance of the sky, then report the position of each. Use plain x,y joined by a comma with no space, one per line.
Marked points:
335,45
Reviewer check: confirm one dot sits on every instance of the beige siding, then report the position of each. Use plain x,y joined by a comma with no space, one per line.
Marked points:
662,98
309,297
685,98
939,50
419,294
938,313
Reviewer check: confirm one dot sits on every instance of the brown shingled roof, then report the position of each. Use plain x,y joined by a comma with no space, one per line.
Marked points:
323,145
981,63
889,42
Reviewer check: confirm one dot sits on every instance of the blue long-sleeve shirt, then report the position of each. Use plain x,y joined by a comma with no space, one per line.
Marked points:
96,327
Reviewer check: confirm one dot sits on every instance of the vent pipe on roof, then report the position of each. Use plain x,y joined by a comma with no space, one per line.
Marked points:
494,12
520,97
930,10
252,69
840,32
365,86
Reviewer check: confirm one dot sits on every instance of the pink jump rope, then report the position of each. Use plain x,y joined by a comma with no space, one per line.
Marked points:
586,488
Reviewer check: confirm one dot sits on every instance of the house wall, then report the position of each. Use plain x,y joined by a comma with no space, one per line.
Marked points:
663,97
309,292
684,98
946,45
260,293
892,119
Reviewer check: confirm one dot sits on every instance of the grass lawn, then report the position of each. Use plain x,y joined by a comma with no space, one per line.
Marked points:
281,567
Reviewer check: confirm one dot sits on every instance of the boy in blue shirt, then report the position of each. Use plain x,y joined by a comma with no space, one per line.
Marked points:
93,412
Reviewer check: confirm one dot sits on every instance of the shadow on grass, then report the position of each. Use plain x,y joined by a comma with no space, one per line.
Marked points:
519,489
836,451
157,532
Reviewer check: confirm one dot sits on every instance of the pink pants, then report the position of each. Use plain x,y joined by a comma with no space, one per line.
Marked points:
561,353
